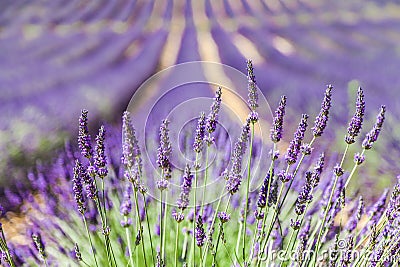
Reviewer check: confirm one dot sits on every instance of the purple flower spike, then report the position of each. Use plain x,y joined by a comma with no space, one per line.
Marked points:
186,187
212,118
164,150
131,155
235,174
78,188
126,206
356,121
252,89
90,183
353,221
277,125
199,233
304,235
83,136
295,145
319,166
305,196
100,160
372,136
322,119
262,195
39,245
200,133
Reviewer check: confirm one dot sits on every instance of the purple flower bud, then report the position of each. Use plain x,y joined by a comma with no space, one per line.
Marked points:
126,222
200,133
372,136
162,184
223,216
83,136
306,149
277,125
322,118
178,216
338,171
100,160
274,154
78,188
295,224
359,158
356,121
294,147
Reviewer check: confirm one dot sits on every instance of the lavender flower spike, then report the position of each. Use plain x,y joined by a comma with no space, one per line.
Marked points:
352,223
39,245
322,118
199,233
164,150
200,133
372,136
78,188
252,89
100,160
295,145
83,136
235,174
356,121
212,118
186,187
131,156
277,128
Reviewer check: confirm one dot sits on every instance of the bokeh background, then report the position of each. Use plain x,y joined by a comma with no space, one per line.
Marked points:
60,56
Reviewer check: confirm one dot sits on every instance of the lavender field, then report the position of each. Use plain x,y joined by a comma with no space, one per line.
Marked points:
199,133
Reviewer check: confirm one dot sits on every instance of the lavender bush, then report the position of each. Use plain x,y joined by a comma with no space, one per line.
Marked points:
103,204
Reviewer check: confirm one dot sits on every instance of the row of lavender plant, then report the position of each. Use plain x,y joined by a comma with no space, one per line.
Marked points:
97,211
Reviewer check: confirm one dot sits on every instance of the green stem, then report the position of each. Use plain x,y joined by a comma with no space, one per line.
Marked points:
161,223
247,193
205,181
148,227
140,227
176,243
193,256
106,222
165,227
129,243
205,253
238,239
90,240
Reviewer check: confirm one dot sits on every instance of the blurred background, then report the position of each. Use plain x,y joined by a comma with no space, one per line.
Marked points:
58,57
